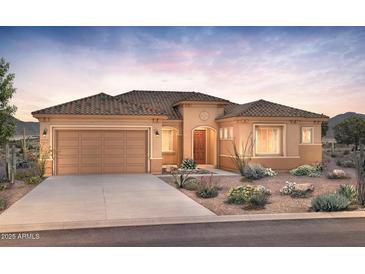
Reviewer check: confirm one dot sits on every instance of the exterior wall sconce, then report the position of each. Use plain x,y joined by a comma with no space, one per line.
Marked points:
157,133
45,131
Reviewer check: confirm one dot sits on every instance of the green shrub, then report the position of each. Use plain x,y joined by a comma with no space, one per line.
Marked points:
191,185
307,170
240,194
2,203
330,202
259,197
206,188
257,171
207,191
188,164
4,185
248,194
346,163
23,174
348,191
33,180
299,193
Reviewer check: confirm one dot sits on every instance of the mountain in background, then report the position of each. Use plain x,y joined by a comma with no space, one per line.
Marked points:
31,128
338,119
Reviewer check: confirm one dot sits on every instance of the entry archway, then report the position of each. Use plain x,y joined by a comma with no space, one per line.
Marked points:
204,145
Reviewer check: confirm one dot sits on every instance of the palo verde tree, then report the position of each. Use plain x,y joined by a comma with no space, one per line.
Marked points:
350,131
7,125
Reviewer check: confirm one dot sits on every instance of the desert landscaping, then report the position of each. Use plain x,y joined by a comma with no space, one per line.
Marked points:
277,202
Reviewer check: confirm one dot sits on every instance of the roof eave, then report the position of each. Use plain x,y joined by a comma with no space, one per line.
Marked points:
104,116
291,118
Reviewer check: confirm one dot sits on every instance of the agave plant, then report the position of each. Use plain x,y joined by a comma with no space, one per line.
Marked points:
182,177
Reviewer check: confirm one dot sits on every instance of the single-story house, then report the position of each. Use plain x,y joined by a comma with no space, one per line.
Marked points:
141,131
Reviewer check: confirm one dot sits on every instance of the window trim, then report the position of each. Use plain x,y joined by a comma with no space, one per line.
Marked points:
312,135
171,140
226,133
282,154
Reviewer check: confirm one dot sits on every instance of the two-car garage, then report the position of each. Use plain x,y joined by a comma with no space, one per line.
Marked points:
100,151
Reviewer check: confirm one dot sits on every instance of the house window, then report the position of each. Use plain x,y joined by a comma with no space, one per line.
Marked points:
226,133
167,140
307,135
268,140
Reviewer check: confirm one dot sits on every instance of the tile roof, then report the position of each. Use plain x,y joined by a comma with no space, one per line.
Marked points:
151,102
262,108
100,104
165,100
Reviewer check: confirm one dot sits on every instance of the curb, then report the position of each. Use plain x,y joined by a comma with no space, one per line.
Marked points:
178,220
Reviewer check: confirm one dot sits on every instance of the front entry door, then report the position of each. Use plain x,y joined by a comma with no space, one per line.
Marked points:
199,146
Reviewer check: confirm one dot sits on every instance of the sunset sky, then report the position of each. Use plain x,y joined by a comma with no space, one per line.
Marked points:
317,69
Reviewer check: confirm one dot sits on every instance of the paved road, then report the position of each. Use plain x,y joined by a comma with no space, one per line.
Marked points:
323,232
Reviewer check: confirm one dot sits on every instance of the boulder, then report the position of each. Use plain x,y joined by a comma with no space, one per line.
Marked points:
337,174
306,187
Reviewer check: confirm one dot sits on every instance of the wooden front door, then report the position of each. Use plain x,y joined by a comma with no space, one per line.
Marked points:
199,146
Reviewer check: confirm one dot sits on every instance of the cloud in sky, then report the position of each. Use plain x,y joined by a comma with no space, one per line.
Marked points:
321,69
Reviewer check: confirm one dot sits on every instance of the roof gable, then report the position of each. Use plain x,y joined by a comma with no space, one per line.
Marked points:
262,108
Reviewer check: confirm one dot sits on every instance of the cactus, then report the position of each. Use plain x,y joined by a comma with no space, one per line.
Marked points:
24,145
360,174
10,162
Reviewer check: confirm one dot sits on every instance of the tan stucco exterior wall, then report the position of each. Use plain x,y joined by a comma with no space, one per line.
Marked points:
175,157
192,120
294,153
218,151
106,122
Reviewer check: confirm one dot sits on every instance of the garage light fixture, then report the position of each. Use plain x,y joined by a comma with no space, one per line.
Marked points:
157,133
45,132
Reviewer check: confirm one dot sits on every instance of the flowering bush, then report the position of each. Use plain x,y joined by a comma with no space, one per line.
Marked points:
269,172
240,194
288,188
248,194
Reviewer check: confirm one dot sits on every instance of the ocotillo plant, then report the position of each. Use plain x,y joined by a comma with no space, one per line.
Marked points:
360,174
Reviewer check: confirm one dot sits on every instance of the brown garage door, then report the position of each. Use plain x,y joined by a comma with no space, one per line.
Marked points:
102,151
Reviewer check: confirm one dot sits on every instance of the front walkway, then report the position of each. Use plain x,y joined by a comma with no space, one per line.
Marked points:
100,198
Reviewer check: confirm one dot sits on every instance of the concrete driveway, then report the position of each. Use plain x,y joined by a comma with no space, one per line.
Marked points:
99,198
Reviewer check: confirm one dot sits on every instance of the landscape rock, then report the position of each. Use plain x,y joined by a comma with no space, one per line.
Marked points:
337,174
306,187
